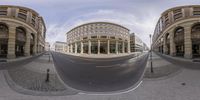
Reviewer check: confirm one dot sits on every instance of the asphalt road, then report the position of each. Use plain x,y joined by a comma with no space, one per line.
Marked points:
100,75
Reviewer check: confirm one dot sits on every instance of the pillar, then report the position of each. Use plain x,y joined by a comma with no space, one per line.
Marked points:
129,47
35,44
172,44
123,47
75,48
187,42
89,47
108,47
164,45
99,46
27,44
71,48
11,42
116,47
81,47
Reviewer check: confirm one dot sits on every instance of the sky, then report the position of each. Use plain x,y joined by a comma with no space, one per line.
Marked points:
60,16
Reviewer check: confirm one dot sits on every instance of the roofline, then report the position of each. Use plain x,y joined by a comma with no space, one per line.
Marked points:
20,7
97,22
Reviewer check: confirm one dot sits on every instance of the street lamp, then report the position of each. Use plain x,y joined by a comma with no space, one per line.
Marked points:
151,67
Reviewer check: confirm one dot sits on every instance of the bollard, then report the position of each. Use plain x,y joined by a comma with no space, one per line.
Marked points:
47,77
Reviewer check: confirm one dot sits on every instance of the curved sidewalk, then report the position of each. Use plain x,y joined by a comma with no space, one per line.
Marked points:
161,67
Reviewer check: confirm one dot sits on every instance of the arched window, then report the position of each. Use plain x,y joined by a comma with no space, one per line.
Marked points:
32,38
179,32
3,31
196,28
20,34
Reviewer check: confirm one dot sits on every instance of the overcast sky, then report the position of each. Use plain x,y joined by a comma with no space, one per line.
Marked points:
140,16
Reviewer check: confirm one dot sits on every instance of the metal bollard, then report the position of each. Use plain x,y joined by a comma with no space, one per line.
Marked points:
47,77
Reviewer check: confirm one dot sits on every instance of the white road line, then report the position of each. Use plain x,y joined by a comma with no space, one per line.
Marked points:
109,65
117,93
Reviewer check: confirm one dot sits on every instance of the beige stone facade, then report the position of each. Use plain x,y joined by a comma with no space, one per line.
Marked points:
98,38
22,32
136,44
177,32
60,47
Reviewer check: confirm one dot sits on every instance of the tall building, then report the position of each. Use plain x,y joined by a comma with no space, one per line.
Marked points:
22,32
47,46
98,38
136,44
59,46
177,32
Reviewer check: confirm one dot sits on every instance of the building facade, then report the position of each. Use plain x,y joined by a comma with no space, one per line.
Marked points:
136,44
47,46
22,32
60,46
177,32
98,38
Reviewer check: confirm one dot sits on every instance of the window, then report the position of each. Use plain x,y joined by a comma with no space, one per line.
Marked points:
177,14
196,11
3,11
33,19
22,14
166,19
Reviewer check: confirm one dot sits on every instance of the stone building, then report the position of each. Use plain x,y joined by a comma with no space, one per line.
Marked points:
177,32
47,46
136,44
22,32
59,46
98,38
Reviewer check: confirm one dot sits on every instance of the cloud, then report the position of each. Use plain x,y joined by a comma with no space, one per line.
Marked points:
142,28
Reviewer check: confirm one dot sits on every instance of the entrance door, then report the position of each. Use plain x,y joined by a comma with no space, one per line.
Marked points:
196,50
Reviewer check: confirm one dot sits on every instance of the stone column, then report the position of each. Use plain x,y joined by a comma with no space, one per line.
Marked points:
172,44
129,47
99,46
81,47
89,47
187,42
27,44
75,48
11,42
108,47
164,45
71,48
123,47
116,47
35,44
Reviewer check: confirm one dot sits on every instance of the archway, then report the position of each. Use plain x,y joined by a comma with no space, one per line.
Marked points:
195,37
179,41
20,41
3,40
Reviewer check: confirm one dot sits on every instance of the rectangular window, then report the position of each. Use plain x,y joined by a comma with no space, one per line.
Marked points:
3,11
177,14
22,14
33,19
196,11
166,19
93,37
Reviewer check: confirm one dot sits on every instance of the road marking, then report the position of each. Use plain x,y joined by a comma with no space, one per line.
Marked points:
117,93
109,65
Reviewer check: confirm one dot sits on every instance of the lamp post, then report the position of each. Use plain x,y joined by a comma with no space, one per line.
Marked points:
151,67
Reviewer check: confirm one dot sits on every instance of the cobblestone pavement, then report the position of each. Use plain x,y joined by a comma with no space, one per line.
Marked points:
161,68
32,76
